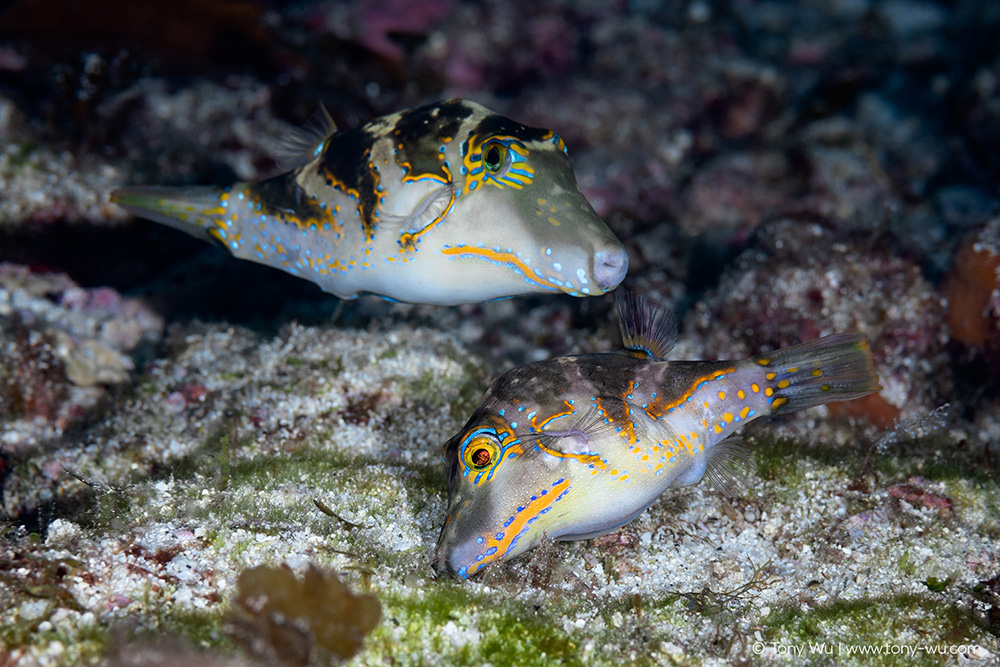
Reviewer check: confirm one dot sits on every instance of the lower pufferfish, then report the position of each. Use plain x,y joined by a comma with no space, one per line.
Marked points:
575,447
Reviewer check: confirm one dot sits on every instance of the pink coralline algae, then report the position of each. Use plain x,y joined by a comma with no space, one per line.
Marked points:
379,21
733,193
60,347
802,280
500,46
912,493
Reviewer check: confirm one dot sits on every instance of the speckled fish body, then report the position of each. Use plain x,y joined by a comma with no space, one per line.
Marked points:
575,447
442,204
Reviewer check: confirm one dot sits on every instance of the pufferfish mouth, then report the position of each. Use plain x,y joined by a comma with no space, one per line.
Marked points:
463,560
462,550
451,559
610,267
446,564
574,277
459,553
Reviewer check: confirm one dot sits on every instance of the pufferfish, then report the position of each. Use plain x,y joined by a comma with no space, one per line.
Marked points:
577,446
442,204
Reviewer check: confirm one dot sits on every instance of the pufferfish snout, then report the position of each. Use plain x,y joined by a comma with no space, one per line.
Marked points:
610,267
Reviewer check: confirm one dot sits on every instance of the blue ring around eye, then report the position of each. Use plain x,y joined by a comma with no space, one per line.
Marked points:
487,431
503,444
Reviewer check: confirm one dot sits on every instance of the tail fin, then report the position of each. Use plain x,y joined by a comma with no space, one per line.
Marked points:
834,368
196,210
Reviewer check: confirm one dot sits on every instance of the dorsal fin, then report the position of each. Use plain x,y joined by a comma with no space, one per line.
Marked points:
646,326
730,467
304,143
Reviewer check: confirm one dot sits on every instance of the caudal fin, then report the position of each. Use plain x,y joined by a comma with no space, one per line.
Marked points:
834,368
196,210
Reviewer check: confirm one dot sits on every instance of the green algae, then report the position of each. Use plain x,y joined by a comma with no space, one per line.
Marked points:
779,458
221,463
459,395
489,630
855,628
21,157
937,585
970,484
937,461
87,642
203,629
28,578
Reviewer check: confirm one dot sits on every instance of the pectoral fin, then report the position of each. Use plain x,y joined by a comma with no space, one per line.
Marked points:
580,441
429,213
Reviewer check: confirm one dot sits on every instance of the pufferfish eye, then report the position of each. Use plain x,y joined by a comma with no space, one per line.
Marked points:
480,453
495,157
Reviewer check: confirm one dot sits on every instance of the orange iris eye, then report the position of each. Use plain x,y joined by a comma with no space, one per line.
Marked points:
481,452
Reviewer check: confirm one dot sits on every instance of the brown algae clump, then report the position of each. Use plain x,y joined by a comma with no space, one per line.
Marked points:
315,620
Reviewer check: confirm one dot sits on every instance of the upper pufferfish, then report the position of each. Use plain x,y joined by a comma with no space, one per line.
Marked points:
441,204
